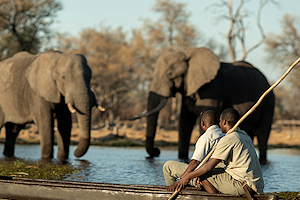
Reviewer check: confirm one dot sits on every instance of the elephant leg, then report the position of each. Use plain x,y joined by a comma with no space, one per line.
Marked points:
45,125
12,131
263,146
153,101
186,124
262,134
64,125
263,129
150,136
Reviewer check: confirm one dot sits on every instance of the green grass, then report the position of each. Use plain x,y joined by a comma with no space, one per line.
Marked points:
288,195
35,170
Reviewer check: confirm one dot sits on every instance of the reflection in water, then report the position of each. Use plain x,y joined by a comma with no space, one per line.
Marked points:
130,166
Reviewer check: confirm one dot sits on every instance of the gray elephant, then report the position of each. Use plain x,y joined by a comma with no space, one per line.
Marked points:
206,83
39,88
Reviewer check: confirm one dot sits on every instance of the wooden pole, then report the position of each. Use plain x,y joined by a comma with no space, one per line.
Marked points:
244,117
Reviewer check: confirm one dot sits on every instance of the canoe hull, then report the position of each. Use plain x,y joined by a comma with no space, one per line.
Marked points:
25,188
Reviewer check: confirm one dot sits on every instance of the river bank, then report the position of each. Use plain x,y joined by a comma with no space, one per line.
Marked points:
283,134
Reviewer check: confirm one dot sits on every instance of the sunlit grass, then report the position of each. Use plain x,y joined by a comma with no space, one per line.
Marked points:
288,195
41,171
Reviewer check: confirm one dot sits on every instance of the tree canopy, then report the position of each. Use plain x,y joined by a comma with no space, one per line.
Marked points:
25,25
283,49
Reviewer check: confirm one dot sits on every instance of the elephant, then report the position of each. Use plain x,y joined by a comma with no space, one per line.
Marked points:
206,83
41,88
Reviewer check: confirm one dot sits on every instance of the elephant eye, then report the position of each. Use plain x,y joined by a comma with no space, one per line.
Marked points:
63,77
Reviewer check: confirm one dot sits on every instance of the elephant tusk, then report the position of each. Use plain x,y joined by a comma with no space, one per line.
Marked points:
101,108
155,110
70,107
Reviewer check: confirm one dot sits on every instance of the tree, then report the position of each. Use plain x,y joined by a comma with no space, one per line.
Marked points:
145,56
283,49
24,24
172,31
236,15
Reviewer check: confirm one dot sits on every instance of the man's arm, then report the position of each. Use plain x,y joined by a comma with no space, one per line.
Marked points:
193,164
200,171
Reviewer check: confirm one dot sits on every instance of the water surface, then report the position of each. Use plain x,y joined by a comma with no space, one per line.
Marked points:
130,166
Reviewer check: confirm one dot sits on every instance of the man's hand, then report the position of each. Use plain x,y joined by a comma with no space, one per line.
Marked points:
182,183
172,187
198,181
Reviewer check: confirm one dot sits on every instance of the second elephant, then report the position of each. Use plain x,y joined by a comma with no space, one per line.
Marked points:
38,88
206,83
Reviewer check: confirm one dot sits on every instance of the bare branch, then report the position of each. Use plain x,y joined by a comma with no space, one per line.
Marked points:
229,32
236,32
258,23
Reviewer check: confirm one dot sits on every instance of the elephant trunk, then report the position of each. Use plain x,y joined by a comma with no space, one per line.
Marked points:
82,107
153,100
84,123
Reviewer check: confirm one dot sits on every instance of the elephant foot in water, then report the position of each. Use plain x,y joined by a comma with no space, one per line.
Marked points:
263,161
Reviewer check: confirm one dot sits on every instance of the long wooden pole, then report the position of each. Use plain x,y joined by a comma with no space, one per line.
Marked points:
244,117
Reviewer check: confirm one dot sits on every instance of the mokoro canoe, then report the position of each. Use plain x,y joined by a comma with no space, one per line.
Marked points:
26,188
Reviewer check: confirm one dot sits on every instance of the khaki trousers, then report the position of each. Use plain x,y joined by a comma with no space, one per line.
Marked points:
173,170
220,179
224,182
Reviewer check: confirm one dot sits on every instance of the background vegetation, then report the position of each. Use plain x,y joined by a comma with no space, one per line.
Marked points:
122,64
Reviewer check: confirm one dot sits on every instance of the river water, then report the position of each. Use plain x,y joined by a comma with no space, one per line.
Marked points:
130,166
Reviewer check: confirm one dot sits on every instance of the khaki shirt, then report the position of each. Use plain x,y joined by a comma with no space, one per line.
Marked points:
238,153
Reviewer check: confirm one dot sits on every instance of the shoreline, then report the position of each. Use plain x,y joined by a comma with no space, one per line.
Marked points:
280,136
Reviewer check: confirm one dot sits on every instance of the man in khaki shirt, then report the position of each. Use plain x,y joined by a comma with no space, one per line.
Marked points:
173,170
237,152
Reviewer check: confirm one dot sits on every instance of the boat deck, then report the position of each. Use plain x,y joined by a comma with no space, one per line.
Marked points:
26,188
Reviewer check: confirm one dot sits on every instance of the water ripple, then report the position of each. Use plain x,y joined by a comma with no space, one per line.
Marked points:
130,166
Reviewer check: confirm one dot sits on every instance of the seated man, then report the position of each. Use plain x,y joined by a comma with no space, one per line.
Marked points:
242,165
173,170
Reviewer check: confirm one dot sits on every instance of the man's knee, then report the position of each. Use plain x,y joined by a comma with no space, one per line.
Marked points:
169,172
168,166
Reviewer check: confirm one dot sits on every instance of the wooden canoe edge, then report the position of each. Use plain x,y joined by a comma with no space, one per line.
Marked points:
36,189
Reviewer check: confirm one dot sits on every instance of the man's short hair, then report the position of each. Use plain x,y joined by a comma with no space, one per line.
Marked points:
231,115
209,117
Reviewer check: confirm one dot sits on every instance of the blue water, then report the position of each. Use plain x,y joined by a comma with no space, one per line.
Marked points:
130,166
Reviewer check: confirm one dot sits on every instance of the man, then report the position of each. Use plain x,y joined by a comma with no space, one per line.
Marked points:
173,170
242,165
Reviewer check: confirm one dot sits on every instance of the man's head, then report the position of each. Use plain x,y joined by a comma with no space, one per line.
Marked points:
208,118
229,117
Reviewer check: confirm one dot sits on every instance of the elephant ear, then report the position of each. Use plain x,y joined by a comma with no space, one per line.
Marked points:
203,68
40,77
161,82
